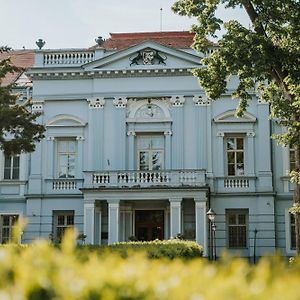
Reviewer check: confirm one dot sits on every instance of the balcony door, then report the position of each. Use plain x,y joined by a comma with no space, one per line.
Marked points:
150,152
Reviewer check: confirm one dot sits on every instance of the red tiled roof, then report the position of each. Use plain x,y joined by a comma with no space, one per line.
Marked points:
20,58
176,39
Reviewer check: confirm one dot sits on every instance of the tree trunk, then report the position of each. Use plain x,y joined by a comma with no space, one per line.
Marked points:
297,200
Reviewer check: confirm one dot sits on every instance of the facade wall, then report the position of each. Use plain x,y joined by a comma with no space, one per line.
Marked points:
103,109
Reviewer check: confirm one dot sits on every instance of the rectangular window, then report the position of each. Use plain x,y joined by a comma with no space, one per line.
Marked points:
66,158
293,232
62,221
237,228
292,160
11,167
235,156
7,224
150,152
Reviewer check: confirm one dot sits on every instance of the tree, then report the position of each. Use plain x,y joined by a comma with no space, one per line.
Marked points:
265,57
18,130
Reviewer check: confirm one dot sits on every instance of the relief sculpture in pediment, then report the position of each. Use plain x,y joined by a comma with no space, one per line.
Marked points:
148,57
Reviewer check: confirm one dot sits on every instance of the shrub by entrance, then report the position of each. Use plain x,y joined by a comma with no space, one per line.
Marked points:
157,249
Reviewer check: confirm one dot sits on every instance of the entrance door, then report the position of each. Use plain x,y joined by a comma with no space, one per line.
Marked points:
149,225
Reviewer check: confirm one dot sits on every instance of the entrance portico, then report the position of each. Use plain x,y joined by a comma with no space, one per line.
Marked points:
114,215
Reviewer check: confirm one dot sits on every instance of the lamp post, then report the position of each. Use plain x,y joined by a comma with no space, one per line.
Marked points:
254,246
212,229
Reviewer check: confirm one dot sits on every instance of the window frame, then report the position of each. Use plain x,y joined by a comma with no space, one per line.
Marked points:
58,155
10,226
288,240
237,212
56,214
150,151
292,161
11,168
235,151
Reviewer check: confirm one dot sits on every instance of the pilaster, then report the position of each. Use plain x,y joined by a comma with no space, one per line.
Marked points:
131,153
168,153
178,131
251,154
79,166
36,157
96,141
220,158
264,146
50,156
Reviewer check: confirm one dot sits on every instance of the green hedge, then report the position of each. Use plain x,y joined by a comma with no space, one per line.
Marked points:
169,249
43,272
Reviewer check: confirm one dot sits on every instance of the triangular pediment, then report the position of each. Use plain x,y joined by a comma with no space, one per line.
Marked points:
230,117
147,55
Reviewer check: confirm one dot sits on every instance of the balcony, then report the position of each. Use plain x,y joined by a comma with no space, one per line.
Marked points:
235,184
166,178
63,185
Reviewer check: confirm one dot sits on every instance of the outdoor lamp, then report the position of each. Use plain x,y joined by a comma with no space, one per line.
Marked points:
211,215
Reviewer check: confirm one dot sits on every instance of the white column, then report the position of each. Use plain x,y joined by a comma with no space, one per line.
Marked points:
89,222
98,214
175,216
113,221
201,222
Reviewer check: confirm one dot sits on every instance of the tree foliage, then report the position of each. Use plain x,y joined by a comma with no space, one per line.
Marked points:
265,57
18,128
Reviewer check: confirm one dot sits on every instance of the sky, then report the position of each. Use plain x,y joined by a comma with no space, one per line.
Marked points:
76,23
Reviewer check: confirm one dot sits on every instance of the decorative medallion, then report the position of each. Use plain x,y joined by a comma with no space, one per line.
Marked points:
149,111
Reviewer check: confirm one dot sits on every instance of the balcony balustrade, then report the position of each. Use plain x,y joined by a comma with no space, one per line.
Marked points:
67,58
172,178
235,184
63,185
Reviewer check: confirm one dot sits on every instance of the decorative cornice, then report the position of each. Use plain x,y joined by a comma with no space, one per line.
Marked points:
109,74
120,102
250,134
51,138
37,106
80,138
96,103
168,132
220,134
131,132
177,101
201,100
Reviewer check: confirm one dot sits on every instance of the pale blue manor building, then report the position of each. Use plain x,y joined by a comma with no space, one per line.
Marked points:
134,150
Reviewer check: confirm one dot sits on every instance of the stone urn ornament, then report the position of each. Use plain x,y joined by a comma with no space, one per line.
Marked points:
40,43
